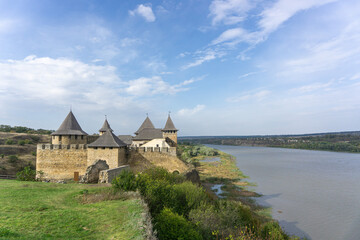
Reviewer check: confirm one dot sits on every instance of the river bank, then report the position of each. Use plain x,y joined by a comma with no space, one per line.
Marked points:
222,178
302,188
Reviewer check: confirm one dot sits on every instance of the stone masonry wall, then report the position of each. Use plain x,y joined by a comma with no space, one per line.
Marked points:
114,157
106,176
59,162
139,158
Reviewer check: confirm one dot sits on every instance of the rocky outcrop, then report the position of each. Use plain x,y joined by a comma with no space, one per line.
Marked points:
92,172
193,176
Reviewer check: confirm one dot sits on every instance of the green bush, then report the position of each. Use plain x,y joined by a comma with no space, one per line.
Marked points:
224,216
9,142
171,226
33,153
27,174
158,195
125,181
272,231
27,141
21,142
13,159
2,155
186,196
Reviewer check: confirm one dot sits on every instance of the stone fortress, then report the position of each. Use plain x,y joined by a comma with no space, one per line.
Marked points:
72,151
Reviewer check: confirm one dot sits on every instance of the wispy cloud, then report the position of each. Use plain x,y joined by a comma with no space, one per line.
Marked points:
229,11
191,111
144,11
328,54
257,96
153,86
233,12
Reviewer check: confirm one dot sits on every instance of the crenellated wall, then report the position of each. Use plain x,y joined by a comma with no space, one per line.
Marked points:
68,139
59,162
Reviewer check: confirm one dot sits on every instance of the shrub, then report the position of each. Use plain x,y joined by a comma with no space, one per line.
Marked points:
33,153
225,216
158,195
186,196
171,226
35,138
9,142
27,174
125,181
27,141
272,231
21,142
13,159
2,155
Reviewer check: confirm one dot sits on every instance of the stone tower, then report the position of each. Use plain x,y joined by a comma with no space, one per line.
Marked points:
107,147
169,131
69,132
146,124
105,127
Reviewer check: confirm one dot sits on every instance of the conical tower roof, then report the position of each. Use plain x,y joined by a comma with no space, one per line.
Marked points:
69,126
146,124
105,127
108,139
169,126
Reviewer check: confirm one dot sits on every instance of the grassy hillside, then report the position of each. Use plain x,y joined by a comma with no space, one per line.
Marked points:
18,150
36,210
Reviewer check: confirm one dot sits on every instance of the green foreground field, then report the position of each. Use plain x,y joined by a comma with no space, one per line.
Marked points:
37,210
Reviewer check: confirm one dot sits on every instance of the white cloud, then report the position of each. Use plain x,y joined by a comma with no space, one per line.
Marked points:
270,20
191,111
144,11
154,86
282,10
257,96
64,81
229,11
58,81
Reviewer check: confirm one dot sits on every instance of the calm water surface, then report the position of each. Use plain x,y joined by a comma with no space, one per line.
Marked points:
312,193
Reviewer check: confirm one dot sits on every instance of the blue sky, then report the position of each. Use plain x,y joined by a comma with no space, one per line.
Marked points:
222,67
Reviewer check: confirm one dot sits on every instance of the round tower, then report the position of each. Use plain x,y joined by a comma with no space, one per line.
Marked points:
169,131
69,132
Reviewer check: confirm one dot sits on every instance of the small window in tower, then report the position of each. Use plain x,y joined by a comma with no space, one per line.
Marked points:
82,137
110,147
95,148
102,148
59,138
75,137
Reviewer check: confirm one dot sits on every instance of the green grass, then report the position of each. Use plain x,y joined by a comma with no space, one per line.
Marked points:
36,210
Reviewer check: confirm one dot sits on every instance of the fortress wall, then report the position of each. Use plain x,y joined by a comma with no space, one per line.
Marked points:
61,161
66,140
106,176
114,157
137,158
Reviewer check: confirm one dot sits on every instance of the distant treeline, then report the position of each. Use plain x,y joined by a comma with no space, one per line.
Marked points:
20,129
329,142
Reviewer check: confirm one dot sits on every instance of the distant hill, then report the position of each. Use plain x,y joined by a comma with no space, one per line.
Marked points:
18,150
333,141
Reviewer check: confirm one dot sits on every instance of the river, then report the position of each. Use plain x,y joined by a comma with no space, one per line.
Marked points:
313,194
